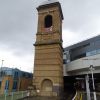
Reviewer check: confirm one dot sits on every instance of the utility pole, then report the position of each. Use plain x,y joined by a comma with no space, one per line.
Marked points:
94,93
91,68
87,87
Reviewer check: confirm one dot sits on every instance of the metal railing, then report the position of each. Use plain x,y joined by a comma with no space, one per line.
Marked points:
13,95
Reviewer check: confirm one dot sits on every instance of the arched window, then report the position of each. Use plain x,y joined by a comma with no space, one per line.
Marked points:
48,21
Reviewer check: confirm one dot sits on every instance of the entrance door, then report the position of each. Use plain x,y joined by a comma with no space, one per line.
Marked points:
47,87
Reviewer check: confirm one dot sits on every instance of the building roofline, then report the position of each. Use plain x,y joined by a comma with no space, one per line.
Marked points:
83,42
51,4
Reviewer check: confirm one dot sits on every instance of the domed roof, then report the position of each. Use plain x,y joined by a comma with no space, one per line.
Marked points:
48,2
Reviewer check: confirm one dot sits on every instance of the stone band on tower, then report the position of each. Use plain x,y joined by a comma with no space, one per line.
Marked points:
48,63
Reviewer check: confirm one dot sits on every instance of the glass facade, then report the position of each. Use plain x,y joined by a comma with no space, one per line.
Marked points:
16,74
66,57
14,85
94,52
86,48
7,85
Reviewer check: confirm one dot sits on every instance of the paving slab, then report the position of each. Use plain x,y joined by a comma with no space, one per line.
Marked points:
41,98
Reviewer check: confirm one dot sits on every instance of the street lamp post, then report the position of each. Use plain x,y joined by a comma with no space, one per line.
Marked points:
91,69
94,93
2,63
1,67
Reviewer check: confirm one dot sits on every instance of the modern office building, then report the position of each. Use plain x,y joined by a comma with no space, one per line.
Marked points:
12,80
79,57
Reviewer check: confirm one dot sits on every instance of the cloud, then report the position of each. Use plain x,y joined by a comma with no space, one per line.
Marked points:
81,15
70,37
18,27
10,60
17,32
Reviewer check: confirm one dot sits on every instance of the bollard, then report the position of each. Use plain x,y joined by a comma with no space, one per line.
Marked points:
22,94
12,96
5,96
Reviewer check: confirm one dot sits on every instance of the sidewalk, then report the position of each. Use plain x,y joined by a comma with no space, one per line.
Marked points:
40,98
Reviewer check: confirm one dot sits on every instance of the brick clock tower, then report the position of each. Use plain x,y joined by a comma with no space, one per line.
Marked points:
48,63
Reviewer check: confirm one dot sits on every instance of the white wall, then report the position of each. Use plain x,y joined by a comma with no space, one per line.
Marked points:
81,66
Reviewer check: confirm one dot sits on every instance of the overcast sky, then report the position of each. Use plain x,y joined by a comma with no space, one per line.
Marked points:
18,26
